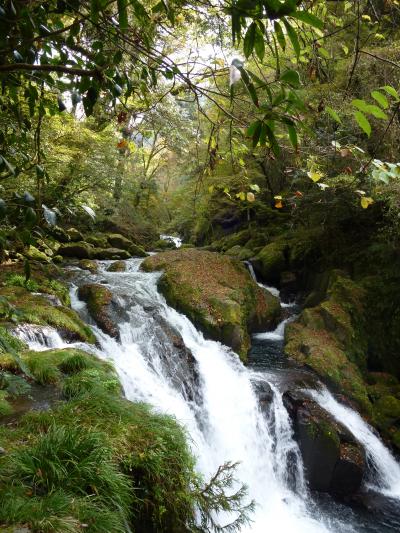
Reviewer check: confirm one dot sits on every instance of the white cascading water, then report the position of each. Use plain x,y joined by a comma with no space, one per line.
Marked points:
220,410
385,470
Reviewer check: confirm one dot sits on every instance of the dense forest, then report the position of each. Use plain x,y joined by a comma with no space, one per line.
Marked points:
199,266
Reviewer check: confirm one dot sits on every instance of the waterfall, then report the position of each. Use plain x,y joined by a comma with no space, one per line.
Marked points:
385,470
217,402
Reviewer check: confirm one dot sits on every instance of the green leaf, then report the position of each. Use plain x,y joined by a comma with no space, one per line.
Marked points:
308,18
291,77
293,37
257,133
30,217
376,112
333,114
392,91
3,209
380,98
363,122
39,171
249,39
248,84
252,128
7,164
280,35
293,136
90,99
259,44
272,140
360,104
323,52
122,14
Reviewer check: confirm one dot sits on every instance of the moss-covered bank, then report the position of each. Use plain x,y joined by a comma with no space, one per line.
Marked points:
217,293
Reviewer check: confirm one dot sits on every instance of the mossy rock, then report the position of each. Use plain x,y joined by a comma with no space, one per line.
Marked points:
330,338
88,264
98,299
110,253
119,241
36,309
163,244
37,255
240,253
99,240
81,250
271,262
137,251
217,293
74,235
117,266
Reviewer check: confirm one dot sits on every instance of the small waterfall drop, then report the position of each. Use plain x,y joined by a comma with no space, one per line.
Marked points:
385,470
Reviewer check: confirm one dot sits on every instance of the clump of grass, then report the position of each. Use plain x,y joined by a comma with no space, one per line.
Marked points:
88,381
17,280
67,478
75,363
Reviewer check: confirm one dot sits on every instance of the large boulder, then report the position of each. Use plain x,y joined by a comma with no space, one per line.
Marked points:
110,253
81,250
217,293
137,251
98,299
119,241
271,262
333,460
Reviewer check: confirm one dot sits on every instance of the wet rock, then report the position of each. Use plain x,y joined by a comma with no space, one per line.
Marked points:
98,299
110,253
118,266
81,250
333,460
271,262
99,241
217,293
88,264
264,393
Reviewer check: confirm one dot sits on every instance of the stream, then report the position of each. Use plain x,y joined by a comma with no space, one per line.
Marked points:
216,398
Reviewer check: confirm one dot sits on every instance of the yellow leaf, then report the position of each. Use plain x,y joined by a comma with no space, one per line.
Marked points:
314,175
241,195
250,197
278,197
211,189
366,201
278,204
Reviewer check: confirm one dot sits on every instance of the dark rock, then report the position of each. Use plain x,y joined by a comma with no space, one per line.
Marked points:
98,299
264,393
333,460
110,253
81,250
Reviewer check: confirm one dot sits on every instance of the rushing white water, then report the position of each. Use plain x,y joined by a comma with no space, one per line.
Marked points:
277,334
176,240
215,399
273,290
385,470
39,338
224,421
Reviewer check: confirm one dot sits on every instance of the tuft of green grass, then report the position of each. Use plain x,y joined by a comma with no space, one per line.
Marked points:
5,406
18,280
66,479
88,381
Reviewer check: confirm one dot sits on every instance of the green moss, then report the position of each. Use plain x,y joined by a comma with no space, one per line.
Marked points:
117,266
38,310
98,297
271,261
88,264
217,293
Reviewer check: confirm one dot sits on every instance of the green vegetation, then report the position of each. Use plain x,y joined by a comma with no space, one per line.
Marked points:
217,293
